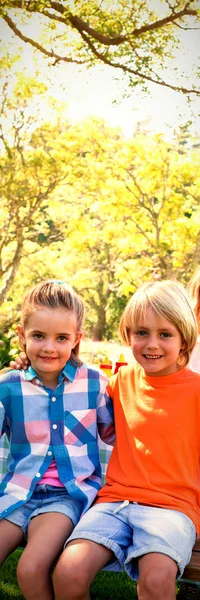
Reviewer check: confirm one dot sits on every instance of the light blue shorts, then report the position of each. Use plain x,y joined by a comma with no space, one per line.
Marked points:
131,530
46,499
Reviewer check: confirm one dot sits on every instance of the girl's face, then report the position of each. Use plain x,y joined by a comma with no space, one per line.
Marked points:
49,337
156,344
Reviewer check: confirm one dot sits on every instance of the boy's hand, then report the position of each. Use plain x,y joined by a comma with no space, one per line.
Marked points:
20,362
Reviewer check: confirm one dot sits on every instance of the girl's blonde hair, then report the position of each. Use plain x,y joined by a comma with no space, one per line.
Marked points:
170,300
54,294
194,290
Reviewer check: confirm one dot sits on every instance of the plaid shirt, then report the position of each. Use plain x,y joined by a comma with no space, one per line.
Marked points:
4,451
62,424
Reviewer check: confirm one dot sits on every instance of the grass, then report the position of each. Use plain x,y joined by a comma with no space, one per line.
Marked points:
107,586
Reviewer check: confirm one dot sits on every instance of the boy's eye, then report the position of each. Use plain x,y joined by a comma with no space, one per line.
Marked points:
165,334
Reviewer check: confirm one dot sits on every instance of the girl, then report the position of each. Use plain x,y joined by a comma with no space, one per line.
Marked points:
54,411
194,289
147,516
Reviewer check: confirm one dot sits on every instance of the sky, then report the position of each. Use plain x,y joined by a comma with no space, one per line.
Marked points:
96,92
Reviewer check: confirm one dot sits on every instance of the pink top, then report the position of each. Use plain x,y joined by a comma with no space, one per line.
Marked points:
51,476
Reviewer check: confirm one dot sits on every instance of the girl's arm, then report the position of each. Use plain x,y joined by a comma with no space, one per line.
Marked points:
105,414
5,402
3,419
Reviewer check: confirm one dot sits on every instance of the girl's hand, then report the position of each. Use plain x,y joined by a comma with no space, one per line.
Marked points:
20,362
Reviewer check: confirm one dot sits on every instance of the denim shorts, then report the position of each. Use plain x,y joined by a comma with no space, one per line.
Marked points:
131,530
46,499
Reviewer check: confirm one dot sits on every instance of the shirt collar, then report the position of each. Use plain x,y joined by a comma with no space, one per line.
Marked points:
69,371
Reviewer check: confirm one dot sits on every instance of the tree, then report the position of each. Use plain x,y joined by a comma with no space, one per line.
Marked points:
28,176
138,38
134,216
123,211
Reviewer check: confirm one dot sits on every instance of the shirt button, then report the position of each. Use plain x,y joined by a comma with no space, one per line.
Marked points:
53,399
49,453
37,381
54,426
38,474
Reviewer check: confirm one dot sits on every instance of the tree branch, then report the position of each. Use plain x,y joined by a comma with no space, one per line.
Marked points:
90,36
26,39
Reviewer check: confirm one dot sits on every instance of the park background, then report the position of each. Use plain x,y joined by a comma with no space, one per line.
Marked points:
99,160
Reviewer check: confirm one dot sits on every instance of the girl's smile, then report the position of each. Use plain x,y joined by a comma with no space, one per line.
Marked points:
49,337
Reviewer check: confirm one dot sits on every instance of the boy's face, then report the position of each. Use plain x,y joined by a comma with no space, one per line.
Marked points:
156,344
49,337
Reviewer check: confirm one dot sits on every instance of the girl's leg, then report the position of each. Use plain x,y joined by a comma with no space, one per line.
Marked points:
77,567
46,536
157,577
11,536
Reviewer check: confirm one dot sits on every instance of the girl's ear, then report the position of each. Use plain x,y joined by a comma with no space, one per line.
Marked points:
21,335
79,335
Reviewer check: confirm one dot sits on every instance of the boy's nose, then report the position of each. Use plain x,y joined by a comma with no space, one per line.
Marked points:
153,342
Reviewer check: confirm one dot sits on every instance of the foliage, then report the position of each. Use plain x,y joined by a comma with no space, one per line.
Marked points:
28,176
103,211
138,38
6,350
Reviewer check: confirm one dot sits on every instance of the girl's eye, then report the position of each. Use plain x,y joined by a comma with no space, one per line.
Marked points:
62,338
38,336
141,333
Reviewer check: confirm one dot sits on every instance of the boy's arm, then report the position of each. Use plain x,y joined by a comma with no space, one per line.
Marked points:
21,362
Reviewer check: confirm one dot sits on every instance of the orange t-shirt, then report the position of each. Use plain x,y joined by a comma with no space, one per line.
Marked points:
156,455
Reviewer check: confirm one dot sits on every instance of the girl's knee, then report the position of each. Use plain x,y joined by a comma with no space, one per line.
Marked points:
30,570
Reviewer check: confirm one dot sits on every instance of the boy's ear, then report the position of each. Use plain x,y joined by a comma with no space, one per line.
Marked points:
184,345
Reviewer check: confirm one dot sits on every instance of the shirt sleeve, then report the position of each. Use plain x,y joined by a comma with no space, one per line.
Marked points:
105,414
3,421
4,400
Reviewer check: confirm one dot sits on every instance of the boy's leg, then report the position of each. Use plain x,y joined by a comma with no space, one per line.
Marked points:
46,536
11,536
101,536
77,567
157,577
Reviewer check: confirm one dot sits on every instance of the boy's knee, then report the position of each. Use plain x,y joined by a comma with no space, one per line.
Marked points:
156,583
71,577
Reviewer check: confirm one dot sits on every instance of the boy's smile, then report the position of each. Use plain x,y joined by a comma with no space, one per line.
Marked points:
49,337
156,344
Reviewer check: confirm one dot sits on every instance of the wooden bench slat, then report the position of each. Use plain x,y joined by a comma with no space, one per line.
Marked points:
192,571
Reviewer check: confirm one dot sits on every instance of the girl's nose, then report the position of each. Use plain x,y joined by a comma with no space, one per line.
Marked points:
48,345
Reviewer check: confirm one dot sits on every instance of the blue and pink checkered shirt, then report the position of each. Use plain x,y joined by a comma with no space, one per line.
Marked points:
61,424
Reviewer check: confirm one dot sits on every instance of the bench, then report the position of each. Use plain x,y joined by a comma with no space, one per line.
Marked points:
192,571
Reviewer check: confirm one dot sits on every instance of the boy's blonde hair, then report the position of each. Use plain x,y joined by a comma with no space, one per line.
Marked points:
194,290
54,294
170,300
